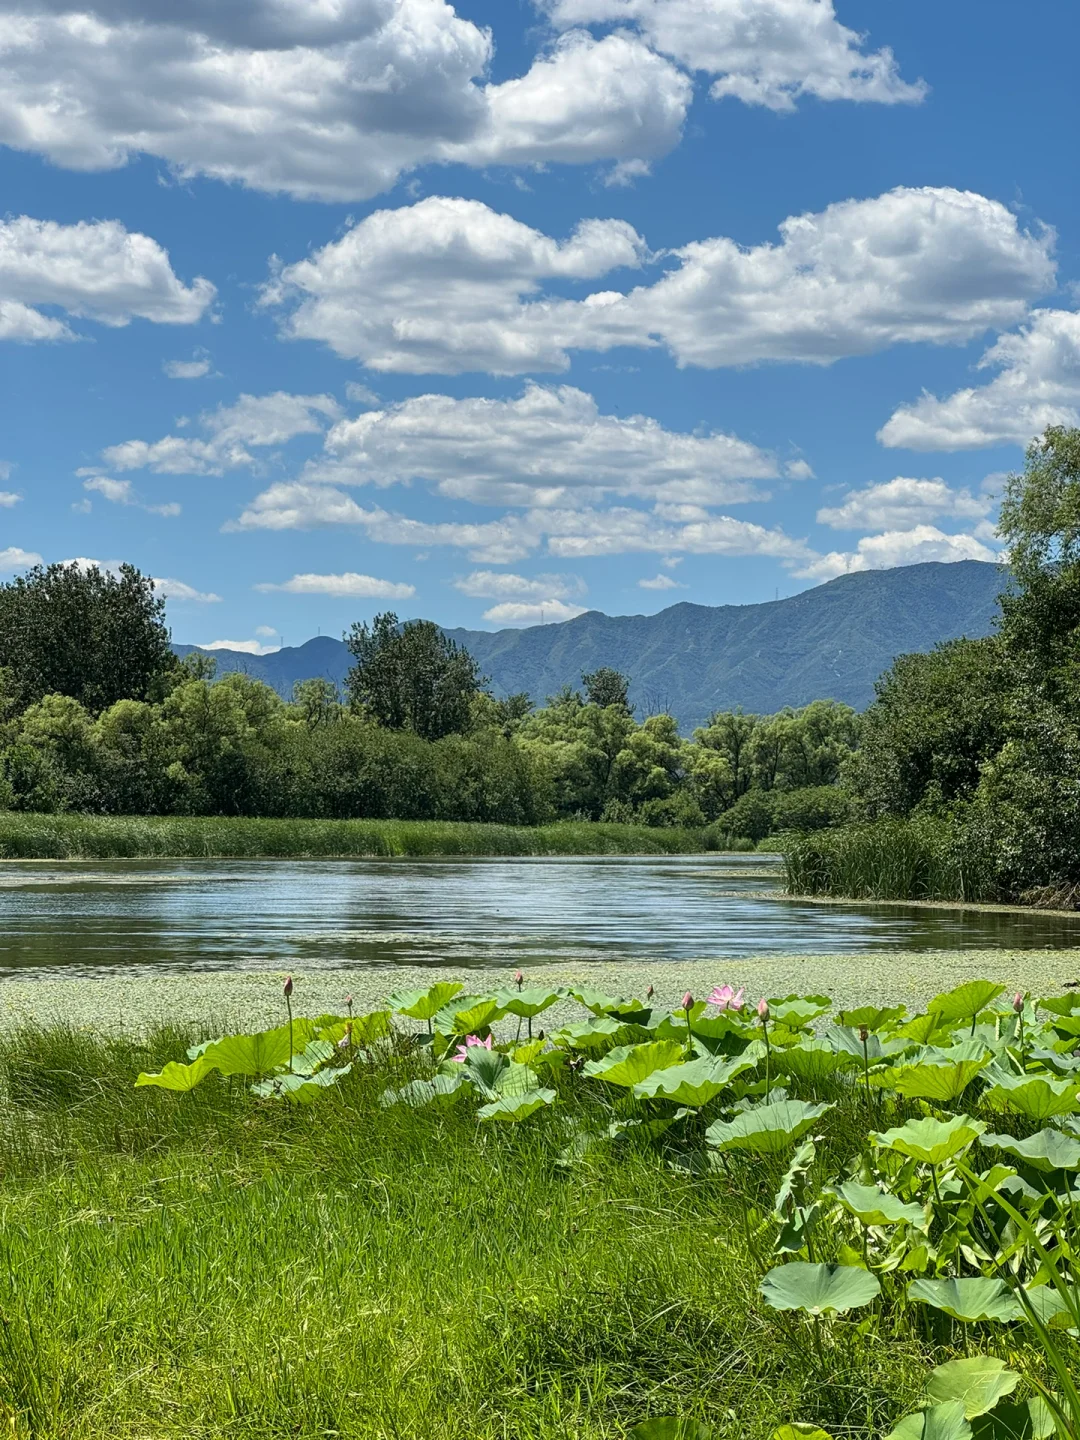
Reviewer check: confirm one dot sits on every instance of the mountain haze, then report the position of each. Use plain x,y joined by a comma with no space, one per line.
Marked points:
830,642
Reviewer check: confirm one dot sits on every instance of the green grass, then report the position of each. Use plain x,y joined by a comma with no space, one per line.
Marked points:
921,859
101,837
205,1266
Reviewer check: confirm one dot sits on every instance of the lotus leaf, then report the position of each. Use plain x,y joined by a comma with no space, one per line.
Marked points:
875,1050
931,1081
1061,1004
1045,1150
1030,1420
800,1430
628,1065
819,1289
299,1089
442,1091
797,1011
467,1015
594,1000
873,1206
1035,1096
766,1129
978,1382
694,1083
940,1422
922,1028
966,1001
671,1428
589,1034
931,1141
516,1107
424,1004
967,1299
1058,1311
1064,1062
812,1060
484,1068
254,1054
314,1054
528,1003
177,1076
873,1017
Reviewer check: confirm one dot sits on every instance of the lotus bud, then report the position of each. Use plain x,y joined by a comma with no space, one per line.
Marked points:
346,1039
763,1008
288,986
688,1001
864,1034
519,979
649,992
1018,1003
348,1003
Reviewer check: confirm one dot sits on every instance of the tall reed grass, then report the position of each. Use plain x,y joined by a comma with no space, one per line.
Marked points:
102,837
923,859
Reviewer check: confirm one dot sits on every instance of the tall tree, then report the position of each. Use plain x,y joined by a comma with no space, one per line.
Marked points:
606,687
85,632
410,676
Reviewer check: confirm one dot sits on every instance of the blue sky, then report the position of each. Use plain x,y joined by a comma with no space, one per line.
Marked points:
311,308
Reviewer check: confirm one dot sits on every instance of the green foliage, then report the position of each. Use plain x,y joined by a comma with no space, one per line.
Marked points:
410,676
819,1289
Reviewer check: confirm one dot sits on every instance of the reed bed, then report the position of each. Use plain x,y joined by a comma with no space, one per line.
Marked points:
921,859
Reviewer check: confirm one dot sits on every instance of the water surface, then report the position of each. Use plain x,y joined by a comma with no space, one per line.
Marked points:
139,916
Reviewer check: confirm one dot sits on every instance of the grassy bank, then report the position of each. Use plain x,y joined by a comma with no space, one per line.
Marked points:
103,837
889,860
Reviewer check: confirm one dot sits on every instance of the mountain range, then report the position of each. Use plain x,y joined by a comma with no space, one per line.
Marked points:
829,642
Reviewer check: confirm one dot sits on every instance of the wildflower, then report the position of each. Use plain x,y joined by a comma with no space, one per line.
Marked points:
687,1001
725,998
1018,1003
470,1040
763,1009
288,987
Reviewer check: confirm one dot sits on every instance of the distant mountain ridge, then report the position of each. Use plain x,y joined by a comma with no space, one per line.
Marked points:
830,642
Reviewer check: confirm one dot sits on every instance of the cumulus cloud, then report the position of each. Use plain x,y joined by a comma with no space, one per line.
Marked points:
897,547
763,52
543,612
1038,385
502,585
12,559
255,421
246,647
548,446
93,270
902,504
321,99
932,265
195,369
661,582
122,492
178,590
350,584
8,498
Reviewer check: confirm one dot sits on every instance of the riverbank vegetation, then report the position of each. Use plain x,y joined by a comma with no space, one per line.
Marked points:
714,1221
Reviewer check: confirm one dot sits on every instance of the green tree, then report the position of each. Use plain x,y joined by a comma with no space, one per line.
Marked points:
84,632
410,676
606,687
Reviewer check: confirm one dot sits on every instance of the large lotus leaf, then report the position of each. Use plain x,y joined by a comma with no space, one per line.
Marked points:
965,1002
299,1089
1067,1025
798,1011
484,1068
875,1050
511,1107
467,1015
695,1083
767,1129
931,1141
978,1382
819,1289
801,1430
933,1082
967,1299
1055,1310
589,1034
628,1065
873,1017
441,1091
940,1422
671,1428
1030,1420
363,1028
1064,1062
254,1054
177,1076
1062,1004
971,1047
424,1004
923,1029
527,1003
1035,1096
594,1000
813,1059
1046,1150
873,1206
516,1079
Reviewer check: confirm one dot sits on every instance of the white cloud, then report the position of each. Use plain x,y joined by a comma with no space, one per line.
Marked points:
246,647
902,504
897,547
799,470
8,498
195,369
933,265
122,492
661,582
265,630
178,590
548,446
1038,385
13,559
325,100
350,584
95,270
501,585
764,52
544,612
254,420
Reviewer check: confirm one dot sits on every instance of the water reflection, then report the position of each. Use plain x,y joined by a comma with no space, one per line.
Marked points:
213,915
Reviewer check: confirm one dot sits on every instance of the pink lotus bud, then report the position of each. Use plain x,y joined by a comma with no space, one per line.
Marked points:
763,1008
288,987
649,992
688,1001
1018,1003
348,1003
864,1034
519,979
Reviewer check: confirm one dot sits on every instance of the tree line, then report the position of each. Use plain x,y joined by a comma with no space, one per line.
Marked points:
98,714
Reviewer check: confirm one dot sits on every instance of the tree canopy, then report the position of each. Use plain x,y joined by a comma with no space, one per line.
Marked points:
410,676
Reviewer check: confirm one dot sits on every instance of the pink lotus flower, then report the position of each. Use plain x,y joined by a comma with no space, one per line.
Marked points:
725,998
687,1001
470,1041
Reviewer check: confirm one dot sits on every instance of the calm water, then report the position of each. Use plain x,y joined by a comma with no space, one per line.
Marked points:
223,914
